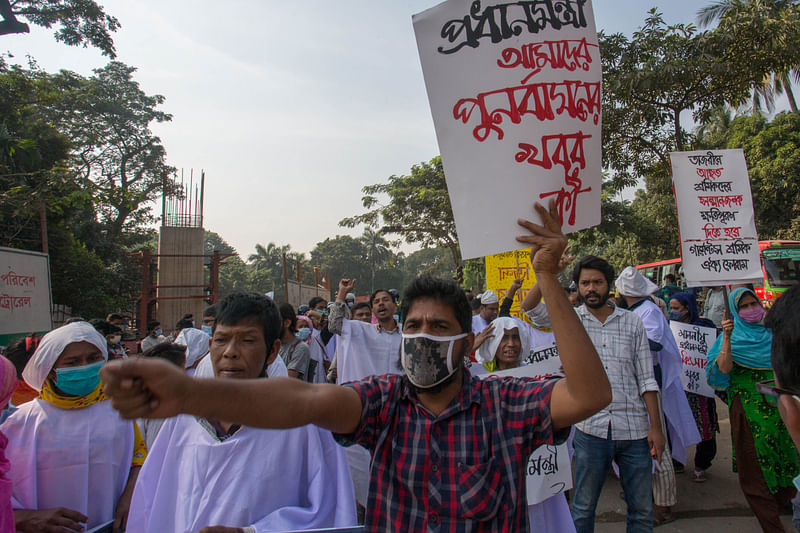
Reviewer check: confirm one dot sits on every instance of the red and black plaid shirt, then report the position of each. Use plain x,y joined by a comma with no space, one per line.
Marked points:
463,471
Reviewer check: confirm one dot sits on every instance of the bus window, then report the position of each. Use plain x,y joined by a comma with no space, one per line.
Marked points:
782,266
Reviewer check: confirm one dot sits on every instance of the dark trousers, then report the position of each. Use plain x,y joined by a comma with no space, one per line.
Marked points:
704,453
765,505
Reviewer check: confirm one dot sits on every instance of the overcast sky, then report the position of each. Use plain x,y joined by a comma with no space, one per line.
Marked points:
290,107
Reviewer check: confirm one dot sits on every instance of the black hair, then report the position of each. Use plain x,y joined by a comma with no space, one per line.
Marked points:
594,263
19,351
782,319
358,306
114,316
475,304
174,353
377,291
446,291
669,277
103,327
287,313
240,307
312,303
152,325
184,323
211,311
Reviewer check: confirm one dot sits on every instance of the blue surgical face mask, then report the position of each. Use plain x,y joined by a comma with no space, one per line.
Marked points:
159,332
208,330
79,380
303,333
677,316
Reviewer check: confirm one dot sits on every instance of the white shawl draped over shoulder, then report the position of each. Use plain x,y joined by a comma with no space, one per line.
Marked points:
682,427
74,458
268,480
364,351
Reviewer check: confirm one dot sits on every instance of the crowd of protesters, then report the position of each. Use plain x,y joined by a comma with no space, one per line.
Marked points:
389,413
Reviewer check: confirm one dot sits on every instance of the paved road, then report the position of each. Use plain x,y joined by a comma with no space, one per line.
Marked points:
713,506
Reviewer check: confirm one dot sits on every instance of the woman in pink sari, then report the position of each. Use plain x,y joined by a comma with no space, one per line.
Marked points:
8,383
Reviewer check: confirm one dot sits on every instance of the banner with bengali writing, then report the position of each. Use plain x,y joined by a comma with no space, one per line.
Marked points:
694,343
515,94
719,241
24,292
549,470
503,269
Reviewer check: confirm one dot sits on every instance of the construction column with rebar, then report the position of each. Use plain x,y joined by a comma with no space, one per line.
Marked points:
181,274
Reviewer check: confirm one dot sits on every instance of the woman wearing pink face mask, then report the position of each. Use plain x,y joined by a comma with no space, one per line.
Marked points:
763,451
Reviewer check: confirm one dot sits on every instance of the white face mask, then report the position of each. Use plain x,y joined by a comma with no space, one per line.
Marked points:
427,359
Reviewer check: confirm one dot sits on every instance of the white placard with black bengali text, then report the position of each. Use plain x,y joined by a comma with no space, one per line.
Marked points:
515,95
24,292
694,343
719,241
549,469
545,361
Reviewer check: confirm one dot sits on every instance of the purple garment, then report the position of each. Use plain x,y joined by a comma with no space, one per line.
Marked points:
680,420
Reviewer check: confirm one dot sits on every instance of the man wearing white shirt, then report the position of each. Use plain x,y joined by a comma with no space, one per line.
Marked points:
364,349
490,307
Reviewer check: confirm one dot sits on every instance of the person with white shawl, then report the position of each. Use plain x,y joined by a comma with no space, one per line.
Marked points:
211,474
668,365
506,348
73,459
364,349
196,342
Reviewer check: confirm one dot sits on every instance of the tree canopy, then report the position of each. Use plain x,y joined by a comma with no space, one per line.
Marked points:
78,22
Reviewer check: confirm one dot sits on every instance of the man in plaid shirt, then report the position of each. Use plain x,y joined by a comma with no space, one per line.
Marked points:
449,450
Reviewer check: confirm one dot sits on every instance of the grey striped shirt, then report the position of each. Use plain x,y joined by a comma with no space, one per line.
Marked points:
621,342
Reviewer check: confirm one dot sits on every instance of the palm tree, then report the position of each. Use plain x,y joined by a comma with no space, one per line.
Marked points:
737,12
378,251
267,263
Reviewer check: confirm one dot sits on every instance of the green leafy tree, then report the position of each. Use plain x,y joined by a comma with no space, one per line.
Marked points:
772,151
79,22
115,154
431,261
652,84
418,208
266,267
377,251
764,45
234,274
341,257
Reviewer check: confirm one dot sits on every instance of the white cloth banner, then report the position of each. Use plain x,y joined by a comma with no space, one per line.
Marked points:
719,241
515,94
549,470
694,342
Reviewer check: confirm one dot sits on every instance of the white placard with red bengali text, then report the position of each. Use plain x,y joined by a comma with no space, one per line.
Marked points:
719,241
24,292
515,94
549,469
694,343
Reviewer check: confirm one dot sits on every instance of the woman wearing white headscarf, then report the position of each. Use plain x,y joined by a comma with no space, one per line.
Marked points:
73,459
505,347
196,342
